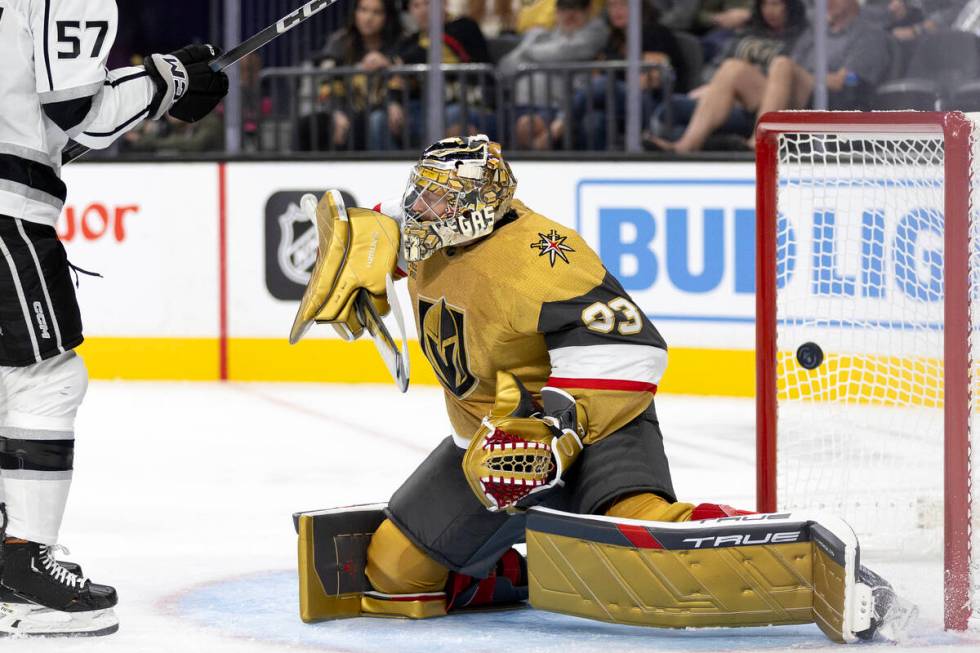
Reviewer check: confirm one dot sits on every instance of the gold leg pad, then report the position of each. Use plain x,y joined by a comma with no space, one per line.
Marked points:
315,603
332,552
396,566
413,606
650,507
732,586
828,595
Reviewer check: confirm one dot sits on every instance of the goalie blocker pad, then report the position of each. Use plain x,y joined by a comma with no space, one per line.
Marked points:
351,287
357,251
332,555
751,570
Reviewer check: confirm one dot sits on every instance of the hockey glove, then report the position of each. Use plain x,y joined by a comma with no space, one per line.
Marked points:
357,252
186,85
520,452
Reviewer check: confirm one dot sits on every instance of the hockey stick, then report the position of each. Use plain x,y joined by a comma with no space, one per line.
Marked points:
74,150
395,359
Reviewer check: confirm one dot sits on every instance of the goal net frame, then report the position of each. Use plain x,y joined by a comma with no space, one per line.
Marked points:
956,130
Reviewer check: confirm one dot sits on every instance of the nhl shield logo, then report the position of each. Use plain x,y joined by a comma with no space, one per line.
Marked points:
290,243
297,244
443,340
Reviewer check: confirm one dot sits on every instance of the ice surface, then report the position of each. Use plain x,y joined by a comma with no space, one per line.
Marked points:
184,492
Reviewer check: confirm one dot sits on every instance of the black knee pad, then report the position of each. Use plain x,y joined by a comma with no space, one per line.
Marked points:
37,455
436,509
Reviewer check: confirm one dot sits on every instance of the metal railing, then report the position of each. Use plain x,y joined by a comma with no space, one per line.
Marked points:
298,46
590,98
306,103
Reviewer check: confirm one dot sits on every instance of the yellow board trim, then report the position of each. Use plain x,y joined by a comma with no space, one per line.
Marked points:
691,371
157,359
320,361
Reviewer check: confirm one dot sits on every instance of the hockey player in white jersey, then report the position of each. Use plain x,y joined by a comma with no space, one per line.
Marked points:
55,87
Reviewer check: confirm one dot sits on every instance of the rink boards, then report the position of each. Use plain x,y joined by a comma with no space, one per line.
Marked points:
204,263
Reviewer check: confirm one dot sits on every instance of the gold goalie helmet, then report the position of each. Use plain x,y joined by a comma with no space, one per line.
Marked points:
456,192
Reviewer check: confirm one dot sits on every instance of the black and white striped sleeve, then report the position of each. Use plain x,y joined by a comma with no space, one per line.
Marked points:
91,104
604,352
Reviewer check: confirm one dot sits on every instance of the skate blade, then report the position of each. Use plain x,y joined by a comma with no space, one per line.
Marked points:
30,620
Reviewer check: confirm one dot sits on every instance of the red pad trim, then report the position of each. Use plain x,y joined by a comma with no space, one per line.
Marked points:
377,208
716,511
603,384
484,591
639,536
510,567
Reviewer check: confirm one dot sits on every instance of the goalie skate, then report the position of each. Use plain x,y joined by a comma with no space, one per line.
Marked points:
24,619
891,616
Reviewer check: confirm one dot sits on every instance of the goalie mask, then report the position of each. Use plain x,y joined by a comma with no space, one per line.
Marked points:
456,192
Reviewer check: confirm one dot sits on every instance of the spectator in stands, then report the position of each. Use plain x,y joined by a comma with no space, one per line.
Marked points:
367,42
462,42
938,15
899,18
255,105
677,14
773,29
543,14
495,17
903,14
717,21
858,58
576,37
926,17
589,117
172,136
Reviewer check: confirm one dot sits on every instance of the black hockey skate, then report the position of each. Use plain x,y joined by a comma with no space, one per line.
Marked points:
41,597
8,596
891,615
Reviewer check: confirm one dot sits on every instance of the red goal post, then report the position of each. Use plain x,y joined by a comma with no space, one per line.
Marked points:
842,142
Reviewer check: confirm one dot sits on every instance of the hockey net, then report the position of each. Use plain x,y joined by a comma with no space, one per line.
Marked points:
868,286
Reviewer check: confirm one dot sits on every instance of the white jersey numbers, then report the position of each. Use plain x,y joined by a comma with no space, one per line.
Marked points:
602,317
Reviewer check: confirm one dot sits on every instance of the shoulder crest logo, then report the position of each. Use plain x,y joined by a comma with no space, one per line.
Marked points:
553,246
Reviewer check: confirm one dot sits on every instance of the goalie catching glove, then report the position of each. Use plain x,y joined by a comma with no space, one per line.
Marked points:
351,284
521,450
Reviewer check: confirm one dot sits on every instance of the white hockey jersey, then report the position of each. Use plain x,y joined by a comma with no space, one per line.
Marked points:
54,86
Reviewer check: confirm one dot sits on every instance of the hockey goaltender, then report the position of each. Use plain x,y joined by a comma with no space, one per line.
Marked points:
549,371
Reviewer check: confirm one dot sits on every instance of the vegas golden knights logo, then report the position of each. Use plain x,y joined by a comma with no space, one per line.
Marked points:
444,345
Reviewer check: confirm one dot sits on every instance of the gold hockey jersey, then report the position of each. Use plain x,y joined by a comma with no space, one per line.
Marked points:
534,299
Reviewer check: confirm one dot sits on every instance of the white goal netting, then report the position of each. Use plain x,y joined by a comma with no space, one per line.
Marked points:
860,334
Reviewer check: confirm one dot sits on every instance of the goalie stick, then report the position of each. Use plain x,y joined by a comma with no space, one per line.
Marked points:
75,150
395,358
